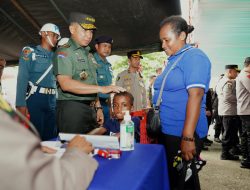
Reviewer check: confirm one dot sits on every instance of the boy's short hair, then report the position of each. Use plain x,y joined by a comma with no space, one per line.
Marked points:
126,94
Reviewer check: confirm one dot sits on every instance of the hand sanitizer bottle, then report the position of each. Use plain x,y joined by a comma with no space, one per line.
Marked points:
127,133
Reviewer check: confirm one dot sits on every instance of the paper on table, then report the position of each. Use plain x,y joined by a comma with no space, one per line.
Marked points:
98,141
55,145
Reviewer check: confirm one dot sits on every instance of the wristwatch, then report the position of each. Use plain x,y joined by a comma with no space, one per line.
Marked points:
98,107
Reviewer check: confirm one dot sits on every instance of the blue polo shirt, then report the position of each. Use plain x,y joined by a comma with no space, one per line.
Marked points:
192,71
113,125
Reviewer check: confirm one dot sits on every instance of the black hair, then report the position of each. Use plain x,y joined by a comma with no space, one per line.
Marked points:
247,62
178,25
126,94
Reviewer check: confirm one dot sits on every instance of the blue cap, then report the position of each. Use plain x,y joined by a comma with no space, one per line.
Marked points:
103,39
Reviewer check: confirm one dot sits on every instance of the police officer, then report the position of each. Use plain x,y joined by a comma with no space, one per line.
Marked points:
36,84
226,91
132,80
103,45
243,110
2,65
78,106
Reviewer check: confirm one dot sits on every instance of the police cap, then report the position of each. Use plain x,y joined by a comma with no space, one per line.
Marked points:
134,53
85,21
232,67
247,60
103,39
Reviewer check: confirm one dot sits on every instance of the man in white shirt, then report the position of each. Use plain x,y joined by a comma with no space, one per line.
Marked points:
243,110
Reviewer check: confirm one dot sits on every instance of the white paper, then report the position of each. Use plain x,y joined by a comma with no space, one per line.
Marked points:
98,141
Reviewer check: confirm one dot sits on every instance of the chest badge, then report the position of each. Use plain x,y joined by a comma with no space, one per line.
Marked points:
83,75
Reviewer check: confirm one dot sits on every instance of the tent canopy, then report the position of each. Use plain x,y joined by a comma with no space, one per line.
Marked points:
133,24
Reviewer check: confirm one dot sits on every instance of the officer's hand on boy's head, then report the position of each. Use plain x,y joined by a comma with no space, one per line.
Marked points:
110,89
81,144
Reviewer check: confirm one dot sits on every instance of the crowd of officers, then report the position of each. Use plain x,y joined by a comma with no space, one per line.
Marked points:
69,90
232,116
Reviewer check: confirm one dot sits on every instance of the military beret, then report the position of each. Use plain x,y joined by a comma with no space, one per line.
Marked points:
134,53
232,67
103,39
85,21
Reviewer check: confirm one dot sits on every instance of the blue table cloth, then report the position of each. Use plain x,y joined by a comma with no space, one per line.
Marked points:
145,168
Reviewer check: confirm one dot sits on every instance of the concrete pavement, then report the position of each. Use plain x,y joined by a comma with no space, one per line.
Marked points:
222,174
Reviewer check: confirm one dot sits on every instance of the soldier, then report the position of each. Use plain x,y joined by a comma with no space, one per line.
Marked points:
2,65
78,106
226,91
103,45
243,110
132,80
36,84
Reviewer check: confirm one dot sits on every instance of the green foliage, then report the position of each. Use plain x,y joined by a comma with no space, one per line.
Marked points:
150,63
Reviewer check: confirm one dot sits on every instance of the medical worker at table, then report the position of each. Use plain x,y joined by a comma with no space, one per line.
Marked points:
182,109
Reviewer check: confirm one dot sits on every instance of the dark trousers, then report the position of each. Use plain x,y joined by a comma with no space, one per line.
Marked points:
245,136
42,110
230,135
106,108
75,117
172,145
218,127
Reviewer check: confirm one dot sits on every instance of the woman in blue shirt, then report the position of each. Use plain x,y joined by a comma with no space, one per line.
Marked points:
182,109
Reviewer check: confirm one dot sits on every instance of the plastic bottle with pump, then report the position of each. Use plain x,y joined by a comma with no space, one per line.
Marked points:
127,131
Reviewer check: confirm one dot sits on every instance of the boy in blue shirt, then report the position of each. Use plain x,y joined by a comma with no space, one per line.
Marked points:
121,102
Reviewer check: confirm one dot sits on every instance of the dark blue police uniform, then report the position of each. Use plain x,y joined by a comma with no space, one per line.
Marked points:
104,78
33,63
113,126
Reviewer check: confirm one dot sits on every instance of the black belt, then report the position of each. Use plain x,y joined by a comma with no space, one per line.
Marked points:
87,102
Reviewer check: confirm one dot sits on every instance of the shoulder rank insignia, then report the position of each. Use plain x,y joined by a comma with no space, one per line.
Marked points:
67,45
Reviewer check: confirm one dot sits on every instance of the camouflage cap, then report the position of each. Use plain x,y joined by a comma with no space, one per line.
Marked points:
85,21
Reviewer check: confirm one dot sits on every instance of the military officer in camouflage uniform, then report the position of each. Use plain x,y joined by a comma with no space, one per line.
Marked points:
78,106
132,81
103,45
36,84
227,107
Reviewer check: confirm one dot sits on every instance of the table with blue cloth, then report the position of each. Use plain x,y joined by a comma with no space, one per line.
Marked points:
142,169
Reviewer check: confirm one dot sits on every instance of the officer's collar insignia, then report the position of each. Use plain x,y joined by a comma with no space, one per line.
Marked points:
62,54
